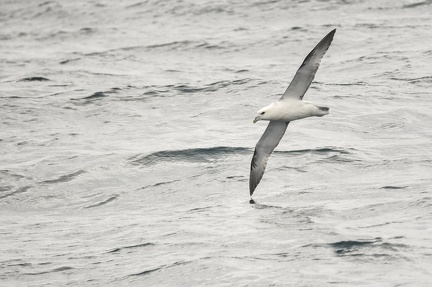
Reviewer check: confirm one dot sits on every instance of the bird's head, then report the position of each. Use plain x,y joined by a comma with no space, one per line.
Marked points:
263,114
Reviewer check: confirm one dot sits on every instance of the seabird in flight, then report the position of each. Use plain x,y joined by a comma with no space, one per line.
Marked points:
289,107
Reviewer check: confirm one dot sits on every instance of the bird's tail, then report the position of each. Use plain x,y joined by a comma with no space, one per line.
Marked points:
322,111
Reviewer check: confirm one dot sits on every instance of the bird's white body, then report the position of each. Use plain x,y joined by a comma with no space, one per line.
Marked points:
290,110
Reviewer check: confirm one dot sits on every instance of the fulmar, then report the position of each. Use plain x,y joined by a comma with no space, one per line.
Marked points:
289,107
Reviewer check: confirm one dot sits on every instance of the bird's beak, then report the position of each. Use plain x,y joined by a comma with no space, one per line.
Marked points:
257,118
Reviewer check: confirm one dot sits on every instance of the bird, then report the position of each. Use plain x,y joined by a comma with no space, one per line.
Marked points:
288,108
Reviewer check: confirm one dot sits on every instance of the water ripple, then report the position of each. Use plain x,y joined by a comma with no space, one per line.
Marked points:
187,155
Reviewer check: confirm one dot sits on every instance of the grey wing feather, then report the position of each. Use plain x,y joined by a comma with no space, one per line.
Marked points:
263,149
306,73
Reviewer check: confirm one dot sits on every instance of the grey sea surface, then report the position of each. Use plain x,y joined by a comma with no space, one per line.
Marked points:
126,138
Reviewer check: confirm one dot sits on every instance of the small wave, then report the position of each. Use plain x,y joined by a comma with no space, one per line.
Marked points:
19,190
186,45
173,45
148,271
323,151
131,247
188,155
164,182
162,91
360,83
159,184
338,158
59,269
96,96
264,206
5,188
103,202
213,87
349,244
413,5
34,79
64,178
92,98
426,79
69,60
366,248
393,187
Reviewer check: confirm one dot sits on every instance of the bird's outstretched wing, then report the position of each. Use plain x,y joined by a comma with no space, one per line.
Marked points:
263,149
306,73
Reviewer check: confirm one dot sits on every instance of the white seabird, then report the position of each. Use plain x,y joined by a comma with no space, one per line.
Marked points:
288,108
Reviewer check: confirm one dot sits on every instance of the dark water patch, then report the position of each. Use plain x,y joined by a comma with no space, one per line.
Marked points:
26,264
69,60
295,168
257,205
373,248
164,182
145,272
360,83
213,87
173,45
426,79
64,178
182,89
159,184
414,5
185,45
60,269
349,244
18,191
103,202
95,96
156,92
115,250
234,177
320,151
189,89
351,247
34,79
148,271
393,187
88,30
339,159
176,46
5,188
201,209
173,90
208,46
203,155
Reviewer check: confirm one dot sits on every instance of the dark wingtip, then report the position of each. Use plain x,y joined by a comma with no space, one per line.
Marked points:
330,34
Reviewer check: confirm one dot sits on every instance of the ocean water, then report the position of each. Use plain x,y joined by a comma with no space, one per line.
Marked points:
126,138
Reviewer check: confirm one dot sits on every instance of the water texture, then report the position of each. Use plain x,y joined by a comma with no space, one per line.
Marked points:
126,138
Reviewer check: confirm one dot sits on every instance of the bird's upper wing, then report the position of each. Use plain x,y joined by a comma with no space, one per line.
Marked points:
263,149
306,73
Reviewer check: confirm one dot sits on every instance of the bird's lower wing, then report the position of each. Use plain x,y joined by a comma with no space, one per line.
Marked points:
263,149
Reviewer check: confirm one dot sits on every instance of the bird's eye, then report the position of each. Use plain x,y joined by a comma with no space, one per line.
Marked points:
262,113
